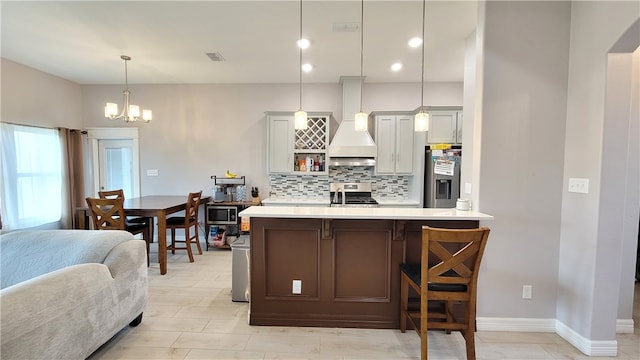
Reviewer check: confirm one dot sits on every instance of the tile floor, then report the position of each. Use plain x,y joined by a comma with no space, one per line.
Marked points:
190,316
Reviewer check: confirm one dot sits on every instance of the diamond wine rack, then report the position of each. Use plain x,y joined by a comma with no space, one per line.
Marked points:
314,136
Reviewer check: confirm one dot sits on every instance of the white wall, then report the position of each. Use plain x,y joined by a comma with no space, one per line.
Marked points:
523,113
589,272
203,130
32,97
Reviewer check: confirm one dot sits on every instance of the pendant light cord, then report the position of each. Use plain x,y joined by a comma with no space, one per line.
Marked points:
423,41
361,46
300,48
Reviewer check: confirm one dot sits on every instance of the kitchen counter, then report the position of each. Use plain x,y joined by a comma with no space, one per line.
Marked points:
309,212
346,261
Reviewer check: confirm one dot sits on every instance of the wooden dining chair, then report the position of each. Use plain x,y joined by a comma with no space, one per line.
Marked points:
108,214
446,283
188,222
119,193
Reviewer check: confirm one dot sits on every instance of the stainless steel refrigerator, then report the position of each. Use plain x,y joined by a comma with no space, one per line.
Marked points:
441,177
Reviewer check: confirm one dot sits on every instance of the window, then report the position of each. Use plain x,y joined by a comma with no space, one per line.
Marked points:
31,176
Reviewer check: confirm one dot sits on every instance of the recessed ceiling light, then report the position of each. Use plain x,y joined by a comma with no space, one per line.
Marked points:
215,56
396,67
307,67
415,42
303,43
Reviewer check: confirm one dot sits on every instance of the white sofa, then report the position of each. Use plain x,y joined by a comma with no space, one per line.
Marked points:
64,293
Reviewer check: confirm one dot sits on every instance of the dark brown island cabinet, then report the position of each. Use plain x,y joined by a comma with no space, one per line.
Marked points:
333,267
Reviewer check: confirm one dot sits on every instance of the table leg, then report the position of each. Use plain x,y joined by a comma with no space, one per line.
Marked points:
82,219
162,242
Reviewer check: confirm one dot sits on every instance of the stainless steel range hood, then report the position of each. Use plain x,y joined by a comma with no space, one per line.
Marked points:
350,147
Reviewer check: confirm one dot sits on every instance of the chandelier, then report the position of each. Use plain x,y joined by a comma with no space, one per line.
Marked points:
130,113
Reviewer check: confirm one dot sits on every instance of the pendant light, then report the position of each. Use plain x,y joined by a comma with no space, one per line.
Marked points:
130,113
300,117
361,119
421,120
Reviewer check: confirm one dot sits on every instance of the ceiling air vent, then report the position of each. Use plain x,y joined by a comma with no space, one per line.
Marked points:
345,27
215,56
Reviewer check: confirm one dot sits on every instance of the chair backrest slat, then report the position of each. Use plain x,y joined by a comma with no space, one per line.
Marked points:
111,194
107,214
453,255
193,203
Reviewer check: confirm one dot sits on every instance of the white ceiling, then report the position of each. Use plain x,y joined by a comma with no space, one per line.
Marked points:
168,40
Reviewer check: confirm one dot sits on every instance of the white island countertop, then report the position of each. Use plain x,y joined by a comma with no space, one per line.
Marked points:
302,212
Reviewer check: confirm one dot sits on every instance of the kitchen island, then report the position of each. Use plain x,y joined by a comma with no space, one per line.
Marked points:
336,267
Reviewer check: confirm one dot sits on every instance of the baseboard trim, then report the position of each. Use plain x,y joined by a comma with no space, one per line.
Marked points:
515,324
588,347
624,326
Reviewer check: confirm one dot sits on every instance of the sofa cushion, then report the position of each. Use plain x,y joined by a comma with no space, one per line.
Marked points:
26,254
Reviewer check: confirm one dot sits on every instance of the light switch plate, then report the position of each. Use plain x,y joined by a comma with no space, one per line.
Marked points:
152,172
467,188
579,185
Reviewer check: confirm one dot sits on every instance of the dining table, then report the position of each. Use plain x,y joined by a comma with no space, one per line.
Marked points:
158,206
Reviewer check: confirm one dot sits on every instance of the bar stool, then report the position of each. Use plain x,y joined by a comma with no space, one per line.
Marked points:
447,275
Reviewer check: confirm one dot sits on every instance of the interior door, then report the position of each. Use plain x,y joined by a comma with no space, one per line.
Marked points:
115,158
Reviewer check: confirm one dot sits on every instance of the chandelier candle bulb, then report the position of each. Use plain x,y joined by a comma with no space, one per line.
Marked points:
111,109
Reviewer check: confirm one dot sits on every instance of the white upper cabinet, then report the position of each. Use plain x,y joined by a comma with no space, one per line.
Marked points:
288,148
394,140
280,143
445,126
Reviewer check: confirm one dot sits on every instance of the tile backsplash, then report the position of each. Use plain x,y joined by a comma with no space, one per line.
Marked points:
317,186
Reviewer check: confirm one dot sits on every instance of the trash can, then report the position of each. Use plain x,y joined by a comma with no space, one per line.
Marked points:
240,251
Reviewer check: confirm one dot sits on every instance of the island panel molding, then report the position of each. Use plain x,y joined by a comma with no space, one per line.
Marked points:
348,262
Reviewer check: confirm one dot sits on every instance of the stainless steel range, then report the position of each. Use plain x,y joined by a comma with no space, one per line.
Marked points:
351,195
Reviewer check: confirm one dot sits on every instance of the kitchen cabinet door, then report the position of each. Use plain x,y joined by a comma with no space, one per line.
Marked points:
394,140
280,144
443,127
386,143
404,144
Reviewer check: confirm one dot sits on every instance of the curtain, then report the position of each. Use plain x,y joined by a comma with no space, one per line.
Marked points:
31,177
73,185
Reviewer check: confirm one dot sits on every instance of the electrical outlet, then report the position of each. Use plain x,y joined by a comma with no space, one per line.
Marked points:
300,186
527,291
577,185
296,287
152,172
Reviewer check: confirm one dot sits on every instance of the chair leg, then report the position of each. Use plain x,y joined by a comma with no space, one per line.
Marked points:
173,240
151,226
404,301
470,332
424,318
146,236
198,239
448,308
187,241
